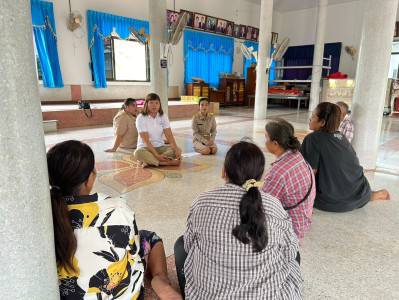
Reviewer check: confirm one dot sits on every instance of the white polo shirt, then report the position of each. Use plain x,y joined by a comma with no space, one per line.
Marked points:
154,127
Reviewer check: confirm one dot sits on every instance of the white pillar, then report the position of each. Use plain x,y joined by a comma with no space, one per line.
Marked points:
262,79
371,77
158,75
27,256
318,54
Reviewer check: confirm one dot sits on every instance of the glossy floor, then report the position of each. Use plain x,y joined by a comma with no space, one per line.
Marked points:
350,255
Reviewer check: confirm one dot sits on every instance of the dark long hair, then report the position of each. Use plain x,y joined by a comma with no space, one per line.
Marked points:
282,132
127,102
151,96
331,114
69,164
246,161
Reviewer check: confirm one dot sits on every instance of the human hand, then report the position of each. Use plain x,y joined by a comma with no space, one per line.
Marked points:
208,143
162,157
110,150
178,154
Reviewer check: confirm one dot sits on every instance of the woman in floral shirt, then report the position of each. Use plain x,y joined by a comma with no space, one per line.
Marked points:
100,252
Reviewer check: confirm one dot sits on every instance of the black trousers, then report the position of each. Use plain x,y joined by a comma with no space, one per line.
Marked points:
180,258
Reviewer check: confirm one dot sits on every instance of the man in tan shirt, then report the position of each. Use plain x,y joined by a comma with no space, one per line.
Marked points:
204,129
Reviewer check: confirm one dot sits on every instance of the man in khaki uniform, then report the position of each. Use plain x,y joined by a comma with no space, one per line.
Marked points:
204,129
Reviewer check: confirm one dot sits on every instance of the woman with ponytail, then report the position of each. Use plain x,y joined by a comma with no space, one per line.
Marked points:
290,178
239,240
125,126
100,252
340,182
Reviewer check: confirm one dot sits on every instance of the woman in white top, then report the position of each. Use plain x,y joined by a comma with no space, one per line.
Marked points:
151,124
125,126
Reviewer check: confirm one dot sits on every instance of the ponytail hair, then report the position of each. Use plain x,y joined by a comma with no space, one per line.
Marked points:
245,161
127,102
69,164
282,132
331,114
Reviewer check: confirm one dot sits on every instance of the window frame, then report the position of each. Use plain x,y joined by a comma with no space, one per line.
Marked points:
147,57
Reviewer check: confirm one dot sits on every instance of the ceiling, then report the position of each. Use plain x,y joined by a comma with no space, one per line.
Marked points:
289,5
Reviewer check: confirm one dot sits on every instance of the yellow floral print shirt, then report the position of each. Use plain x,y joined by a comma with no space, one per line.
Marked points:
107,257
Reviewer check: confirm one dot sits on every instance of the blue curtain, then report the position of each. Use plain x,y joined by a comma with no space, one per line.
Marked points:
303,56
100,26
247,62
46,42
206,55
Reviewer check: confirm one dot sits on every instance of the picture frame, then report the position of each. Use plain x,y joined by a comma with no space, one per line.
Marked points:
236,32
255,34
171,16
243,31
248,35
221,25
210,24
396,32
229,28
274,38
199,21
190,18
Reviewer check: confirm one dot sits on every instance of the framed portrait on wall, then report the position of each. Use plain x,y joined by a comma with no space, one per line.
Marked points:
172,16
190,18
221,26
255,34
243,31
248,36
236,32
199,21
210,24
229,28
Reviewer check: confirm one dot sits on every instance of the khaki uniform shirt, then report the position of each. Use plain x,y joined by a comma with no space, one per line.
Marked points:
125,125
204,128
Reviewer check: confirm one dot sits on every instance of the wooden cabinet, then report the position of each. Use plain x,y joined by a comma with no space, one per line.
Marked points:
251,86
234,89
217,96
198,89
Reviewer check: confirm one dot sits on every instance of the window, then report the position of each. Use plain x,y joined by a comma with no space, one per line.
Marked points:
394,65
125,60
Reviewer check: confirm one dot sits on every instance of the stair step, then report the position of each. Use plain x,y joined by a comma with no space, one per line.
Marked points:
50,125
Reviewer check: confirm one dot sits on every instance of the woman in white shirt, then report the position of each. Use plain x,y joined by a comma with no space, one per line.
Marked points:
151,124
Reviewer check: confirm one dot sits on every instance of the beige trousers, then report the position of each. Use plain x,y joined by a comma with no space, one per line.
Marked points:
144,155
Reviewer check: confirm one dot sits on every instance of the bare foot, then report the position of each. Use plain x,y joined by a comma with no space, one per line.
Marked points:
164,290
380,195
174,162
143,165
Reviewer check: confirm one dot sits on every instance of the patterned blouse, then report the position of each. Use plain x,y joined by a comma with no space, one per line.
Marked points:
289,179
219,266
346,128
107,256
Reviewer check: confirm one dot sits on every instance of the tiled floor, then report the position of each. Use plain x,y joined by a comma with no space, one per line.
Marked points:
344,256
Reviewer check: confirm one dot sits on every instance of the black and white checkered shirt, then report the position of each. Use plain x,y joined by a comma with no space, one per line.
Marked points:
219,266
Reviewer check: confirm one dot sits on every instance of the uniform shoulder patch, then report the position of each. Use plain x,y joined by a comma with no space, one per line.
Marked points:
197,115
211,114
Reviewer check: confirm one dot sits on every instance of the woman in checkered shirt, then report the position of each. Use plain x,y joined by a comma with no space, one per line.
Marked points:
290,178
239,240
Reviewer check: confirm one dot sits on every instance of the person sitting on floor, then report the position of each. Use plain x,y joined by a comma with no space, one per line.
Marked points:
204,128
290,178
125,126
340,182
240,241
100,252
151,124
346,126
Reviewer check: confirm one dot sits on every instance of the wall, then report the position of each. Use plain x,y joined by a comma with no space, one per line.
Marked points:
343,25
